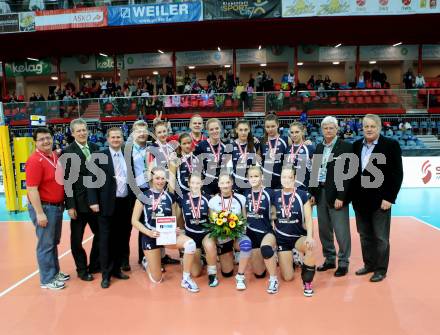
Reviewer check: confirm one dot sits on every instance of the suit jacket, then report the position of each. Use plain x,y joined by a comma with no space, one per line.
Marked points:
105,196
79,199
331,191
368,200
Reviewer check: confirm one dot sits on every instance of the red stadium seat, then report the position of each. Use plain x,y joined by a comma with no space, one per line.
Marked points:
350,100
356,93
342,99
386,99
313,94
377,99
368,100
394,99
364,93
332,99
422,92
359,100
228,102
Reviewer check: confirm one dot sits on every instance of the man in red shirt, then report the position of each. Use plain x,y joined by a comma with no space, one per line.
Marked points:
46,206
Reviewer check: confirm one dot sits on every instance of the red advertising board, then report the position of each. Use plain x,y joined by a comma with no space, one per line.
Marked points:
71,18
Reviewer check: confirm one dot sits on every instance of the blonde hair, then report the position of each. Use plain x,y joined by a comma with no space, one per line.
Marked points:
213,120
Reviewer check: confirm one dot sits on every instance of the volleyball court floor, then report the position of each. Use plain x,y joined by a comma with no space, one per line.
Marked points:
406,302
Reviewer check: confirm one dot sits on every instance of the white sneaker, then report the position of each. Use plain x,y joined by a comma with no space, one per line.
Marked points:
273,287
308,290
190,285
53,285
144,263
241,282
61,276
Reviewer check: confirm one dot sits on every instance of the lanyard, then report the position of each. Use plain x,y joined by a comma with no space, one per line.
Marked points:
243,153
53,163
294,153
156,203
273,150
195,211
165,152
256,204
289,207
189,163
228,209
216,154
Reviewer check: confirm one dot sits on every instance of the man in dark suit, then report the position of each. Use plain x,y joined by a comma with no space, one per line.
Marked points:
113,203
77,203
331,196
375,189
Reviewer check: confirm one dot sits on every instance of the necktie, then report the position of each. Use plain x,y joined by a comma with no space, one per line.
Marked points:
86,151
120,175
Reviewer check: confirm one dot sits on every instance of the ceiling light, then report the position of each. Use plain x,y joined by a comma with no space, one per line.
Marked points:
338,45
335,63
259,47
192,67
155,73
160,51
264,64
103,55
395,45
34,59
300,63
54,78
218,48
372,62
227,66
87,76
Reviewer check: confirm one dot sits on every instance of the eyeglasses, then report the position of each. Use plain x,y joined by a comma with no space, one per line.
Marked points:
46,138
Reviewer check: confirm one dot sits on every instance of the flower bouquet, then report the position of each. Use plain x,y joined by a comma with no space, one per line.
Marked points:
225,225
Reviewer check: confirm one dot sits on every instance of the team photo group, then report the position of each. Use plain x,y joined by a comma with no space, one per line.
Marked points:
237,207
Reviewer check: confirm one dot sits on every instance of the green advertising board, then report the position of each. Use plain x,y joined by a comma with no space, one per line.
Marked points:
105,63
42,67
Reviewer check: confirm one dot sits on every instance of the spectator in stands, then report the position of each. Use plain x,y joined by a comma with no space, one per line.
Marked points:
169,83
159,82
327,82
361,83
251,81
291,80
187,79
420,81
40,97
268,85
4,7
149,86
103,85
230,82
259,82
348,132
408,79
318,81
211,77
405,126
180,84
311,82
33,97
321,90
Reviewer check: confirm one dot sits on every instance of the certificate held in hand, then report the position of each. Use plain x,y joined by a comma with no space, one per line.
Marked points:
166,226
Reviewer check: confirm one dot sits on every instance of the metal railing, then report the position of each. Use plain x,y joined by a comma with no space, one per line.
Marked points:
346,102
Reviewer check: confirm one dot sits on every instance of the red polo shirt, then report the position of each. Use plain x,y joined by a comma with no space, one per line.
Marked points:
194,141
40,171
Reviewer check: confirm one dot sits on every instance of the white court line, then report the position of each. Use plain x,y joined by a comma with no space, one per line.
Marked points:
424,222
17,284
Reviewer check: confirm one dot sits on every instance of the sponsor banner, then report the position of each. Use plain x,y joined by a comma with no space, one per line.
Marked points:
43,67
155,13
383,52
9,23
71,18
104,63
421,171
27,21
431,52
341,54
223,57
148,60
301,8
241,9
251,56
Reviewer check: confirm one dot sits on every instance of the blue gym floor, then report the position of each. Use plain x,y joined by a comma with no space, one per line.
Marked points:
421,203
